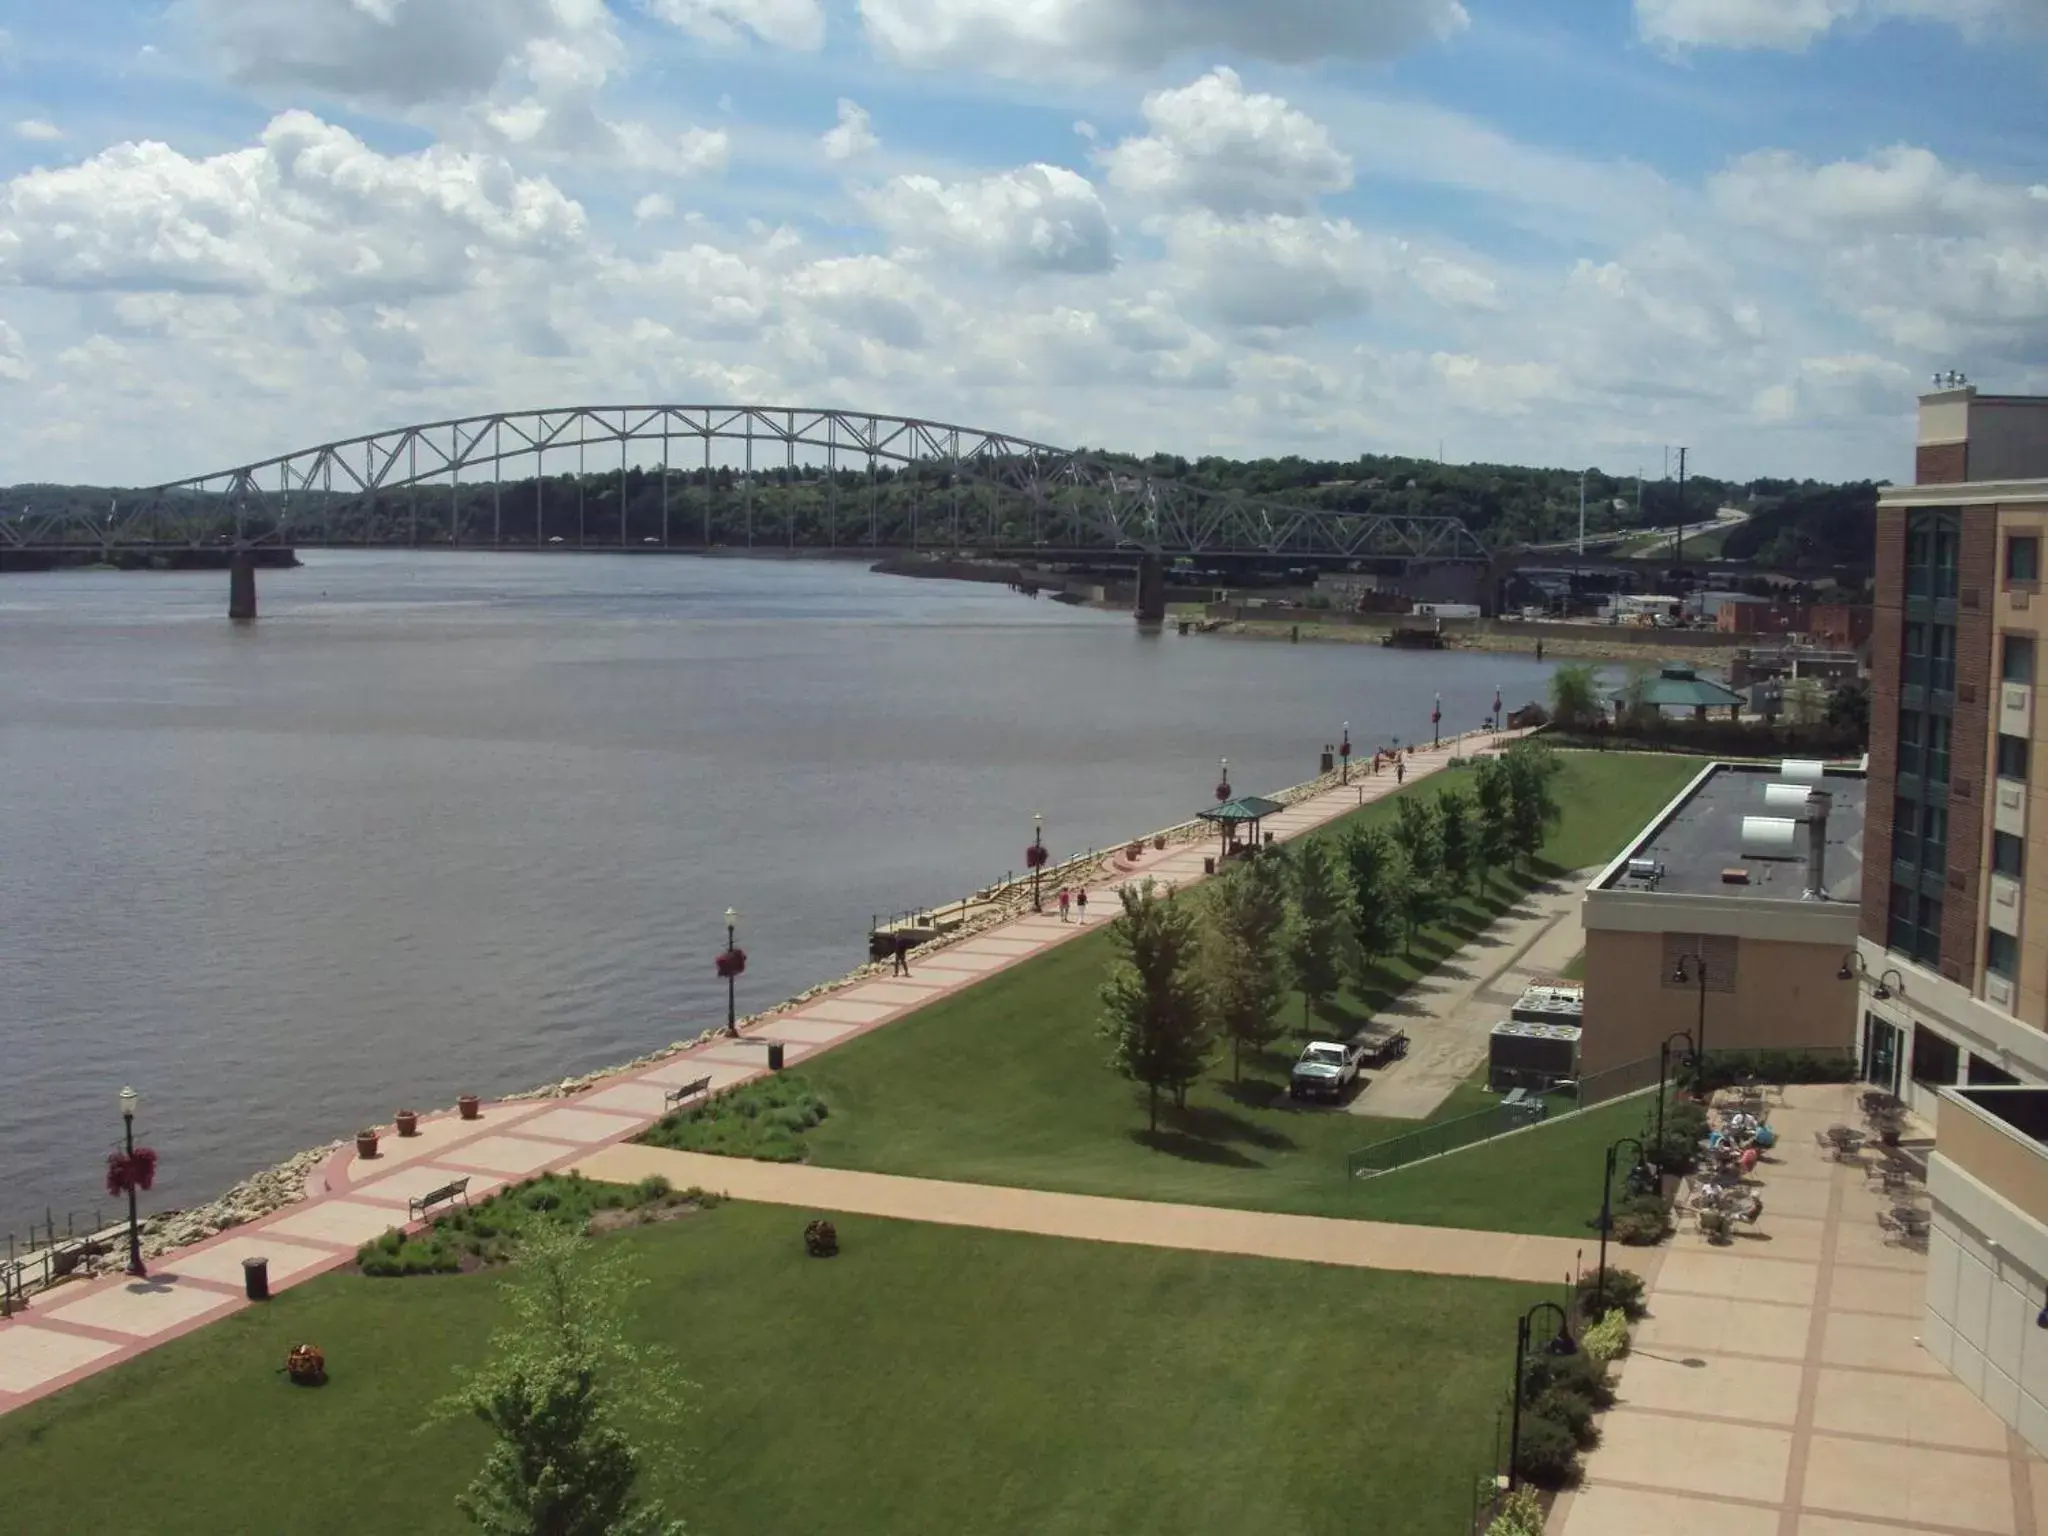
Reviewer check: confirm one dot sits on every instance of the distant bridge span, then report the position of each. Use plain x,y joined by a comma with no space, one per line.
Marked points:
741,476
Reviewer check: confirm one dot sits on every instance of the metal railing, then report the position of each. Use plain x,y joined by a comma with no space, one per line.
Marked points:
50,1255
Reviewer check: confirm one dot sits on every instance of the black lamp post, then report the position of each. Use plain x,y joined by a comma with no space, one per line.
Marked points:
1663,1072
732,962
1223,783
130,1102
1693,967
1035,857
1436,724
1561,1343
1344,751
1607,1210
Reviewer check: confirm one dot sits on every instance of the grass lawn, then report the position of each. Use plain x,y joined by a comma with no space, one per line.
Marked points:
928,1379
1008,1082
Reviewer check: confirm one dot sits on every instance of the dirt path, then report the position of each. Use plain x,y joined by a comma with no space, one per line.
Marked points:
1093,1218
1455,1007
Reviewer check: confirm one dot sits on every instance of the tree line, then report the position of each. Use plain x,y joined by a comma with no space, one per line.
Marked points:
1191,975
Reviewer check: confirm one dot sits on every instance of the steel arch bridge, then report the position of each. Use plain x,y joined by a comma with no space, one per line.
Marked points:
444,484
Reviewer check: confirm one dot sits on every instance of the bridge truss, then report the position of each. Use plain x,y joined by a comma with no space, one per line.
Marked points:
732,476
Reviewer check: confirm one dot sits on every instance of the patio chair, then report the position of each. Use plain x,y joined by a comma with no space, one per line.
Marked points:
1894,1231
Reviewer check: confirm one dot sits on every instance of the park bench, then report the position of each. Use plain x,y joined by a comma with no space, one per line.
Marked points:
455,1189
676,1096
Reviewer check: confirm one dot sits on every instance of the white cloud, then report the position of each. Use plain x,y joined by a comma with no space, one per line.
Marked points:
1036,218
1793,25
13,358
310,211
655,205
1025,39
1836,388
1214,144
1902,189
854,134
38,130
796,24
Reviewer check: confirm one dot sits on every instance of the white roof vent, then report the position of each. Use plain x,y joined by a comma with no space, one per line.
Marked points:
1786,799
1770,837
1798,770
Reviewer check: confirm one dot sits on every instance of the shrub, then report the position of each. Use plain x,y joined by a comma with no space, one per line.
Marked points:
1726,1067
1641,1221
1608,1338
1624,1290
653,1187
1579,1374
1570,1412
764,1121
1548,1455
1521,1514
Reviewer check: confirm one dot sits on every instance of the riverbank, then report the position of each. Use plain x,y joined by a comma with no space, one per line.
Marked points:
1626,645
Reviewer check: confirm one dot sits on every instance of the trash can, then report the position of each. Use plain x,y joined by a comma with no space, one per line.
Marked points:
774,1055
1209,865
256,1278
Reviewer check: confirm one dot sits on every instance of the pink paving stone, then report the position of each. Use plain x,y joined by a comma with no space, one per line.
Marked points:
839,1012
734,1053
436,1134
411,1183
513,1156
346,1223
222,1262
144,1308
636,1098
1009,949
687,1069
886,992
31,1356
956,960
803,1030
578,1125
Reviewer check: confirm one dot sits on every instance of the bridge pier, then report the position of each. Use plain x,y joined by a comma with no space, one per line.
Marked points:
242,588
1151,607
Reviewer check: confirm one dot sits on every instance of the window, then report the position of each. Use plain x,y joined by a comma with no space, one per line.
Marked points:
1934,838
1914,926
2016,659
1941,654
1988,1074
2008,854
2002,955
1916,656
2012,757
1927,938
2022,558
1911,728
1935,1059
1947,540
1905,831
1937,749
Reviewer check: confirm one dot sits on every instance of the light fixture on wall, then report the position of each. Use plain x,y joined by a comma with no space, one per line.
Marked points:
2041,1317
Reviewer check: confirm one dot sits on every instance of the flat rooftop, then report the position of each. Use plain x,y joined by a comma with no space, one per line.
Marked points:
1702,835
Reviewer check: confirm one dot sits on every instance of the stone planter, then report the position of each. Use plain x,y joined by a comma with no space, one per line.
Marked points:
469,1107
408,1122
366,1144
1134,850
1159,841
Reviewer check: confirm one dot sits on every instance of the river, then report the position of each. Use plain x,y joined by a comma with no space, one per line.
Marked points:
442,823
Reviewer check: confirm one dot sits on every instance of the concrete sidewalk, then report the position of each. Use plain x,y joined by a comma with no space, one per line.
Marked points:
1094,1218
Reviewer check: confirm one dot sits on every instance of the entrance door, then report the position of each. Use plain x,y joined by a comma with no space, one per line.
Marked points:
1881,1054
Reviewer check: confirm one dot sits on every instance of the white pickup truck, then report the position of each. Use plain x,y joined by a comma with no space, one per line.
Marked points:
1325,1069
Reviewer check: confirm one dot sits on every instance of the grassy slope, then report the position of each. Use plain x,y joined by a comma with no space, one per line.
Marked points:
1007,1082
928,1379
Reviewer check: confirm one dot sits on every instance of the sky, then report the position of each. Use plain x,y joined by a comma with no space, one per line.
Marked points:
1572,234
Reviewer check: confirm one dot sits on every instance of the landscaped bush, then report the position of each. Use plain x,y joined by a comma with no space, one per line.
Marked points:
1685,1122
1548,1455
1727,1067
1521,1514
764,1120
1570,1412
1624,1289
487,1233
1641,1221
1608,1338
1577,1373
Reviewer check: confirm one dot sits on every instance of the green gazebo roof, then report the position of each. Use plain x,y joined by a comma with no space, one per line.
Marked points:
1682,688
1249,808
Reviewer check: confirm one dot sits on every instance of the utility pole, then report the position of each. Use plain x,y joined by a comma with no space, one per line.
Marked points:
1582,514
1679,546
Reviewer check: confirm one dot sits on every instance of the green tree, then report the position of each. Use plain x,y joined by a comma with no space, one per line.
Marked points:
1574,696
1422,903
1242,964
1373,865
1316,945
1455,837
561,1464
1419,831
1494,826
1533,808
1806,702
1156,1015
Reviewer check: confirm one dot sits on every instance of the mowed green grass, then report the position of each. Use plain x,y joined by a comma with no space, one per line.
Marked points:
1009,1082
928,1379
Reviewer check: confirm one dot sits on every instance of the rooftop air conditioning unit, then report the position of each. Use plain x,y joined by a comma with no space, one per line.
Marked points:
1770,837
1797,770
1787,799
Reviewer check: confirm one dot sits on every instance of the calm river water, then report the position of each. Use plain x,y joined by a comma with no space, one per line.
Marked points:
445,823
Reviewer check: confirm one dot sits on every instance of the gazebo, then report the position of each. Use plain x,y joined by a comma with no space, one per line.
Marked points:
1677,688
1228,817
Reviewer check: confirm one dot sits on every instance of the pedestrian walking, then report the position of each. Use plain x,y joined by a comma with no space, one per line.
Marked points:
902,951
1400,770
1081,901
1066,900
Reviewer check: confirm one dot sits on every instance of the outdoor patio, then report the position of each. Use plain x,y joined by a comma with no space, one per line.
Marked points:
1778,1387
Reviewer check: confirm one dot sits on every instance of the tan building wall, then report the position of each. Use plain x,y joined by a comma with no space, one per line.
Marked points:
1761,995
2020,611
2000,1160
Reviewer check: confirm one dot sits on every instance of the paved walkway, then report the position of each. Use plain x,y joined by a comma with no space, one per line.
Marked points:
81,1328
1778,1387
1095,1218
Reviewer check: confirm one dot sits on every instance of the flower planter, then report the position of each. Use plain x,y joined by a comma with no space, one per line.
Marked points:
366,1143
1159,841
408,1122
1134,850
469,1106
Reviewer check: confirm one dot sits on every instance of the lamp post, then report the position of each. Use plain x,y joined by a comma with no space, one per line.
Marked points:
1035,857
1344,751
1561,1343
730,966
1223,783
1607,1209
1663,1070
1694,967
1496,706
1436,724
131,1101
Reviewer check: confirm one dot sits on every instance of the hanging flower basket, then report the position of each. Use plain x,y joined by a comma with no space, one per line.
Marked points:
821,1239
1223,790
128,1171
1035,856
732,962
